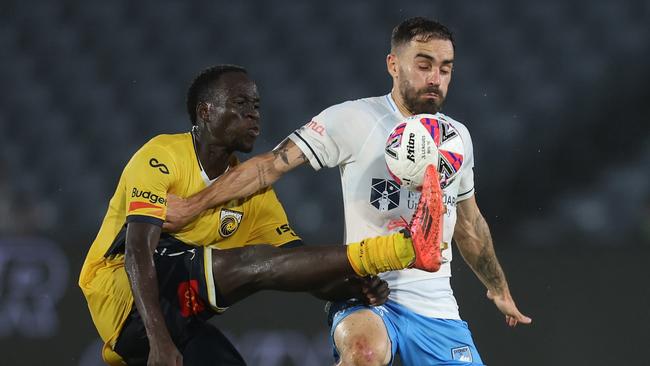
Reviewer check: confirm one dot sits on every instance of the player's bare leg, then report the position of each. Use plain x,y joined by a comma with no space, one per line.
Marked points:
361,339
241,272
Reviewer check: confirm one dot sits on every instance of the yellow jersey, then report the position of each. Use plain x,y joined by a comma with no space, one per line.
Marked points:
168,164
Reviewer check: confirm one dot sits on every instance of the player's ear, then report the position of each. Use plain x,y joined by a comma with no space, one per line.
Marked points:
391,64
203,111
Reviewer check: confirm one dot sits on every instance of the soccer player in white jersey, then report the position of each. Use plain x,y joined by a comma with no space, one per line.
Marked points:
421,320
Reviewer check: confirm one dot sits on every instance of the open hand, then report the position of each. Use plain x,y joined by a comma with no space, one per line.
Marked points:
507,306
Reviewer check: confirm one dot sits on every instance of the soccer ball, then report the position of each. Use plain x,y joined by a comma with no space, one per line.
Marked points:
421,140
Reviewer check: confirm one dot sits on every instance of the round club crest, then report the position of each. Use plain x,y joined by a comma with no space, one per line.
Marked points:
229,222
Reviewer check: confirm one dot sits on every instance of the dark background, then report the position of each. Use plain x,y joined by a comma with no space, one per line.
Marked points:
553,92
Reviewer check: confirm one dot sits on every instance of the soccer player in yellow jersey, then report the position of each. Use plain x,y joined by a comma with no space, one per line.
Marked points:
178,281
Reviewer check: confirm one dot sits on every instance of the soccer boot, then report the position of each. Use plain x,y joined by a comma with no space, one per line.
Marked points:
426,225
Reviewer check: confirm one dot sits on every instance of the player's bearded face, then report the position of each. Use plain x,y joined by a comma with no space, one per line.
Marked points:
417,99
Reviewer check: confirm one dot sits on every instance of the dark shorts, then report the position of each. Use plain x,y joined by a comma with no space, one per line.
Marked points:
188,299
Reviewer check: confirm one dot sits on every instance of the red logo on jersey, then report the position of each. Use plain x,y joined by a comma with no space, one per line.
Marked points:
152,209
316,127
188,298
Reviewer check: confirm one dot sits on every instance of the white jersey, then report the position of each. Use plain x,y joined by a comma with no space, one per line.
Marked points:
352,135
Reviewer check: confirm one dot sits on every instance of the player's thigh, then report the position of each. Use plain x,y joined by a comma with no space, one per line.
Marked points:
208,346
203,281
437,342
239,272
361,338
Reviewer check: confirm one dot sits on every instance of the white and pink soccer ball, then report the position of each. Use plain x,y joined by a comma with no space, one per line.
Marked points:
419,141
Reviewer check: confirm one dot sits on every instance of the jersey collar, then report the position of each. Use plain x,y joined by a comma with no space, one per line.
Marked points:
392,105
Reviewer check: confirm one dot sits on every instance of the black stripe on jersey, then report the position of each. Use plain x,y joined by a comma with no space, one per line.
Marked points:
145,219
292,244
470,191
310,149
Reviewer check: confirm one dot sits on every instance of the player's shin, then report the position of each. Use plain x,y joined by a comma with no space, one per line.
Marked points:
381,254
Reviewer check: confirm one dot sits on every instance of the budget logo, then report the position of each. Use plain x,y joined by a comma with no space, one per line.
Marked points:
384,194
229,222
147,195
146,202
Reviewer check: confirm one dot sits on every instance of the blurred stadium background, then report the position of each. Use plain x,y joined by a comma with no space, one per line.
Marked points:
554,92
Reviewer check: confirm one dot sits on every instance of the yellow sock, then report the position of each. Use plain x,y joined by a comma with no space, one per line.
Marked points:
381,254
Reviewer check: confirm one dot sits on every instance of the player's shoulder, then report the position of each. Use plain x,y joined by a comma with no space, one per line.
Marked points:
370,106
165,149
169,141
365,110
176,145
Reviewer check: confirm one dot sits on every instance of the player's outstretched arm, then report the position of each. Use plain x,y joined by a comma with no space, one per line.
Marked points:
242,181
141,241
472,235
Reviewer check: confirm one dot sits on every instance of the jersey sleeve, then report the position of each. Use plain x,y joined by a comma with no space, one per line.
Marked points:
147,177
328,140
466,187
271,225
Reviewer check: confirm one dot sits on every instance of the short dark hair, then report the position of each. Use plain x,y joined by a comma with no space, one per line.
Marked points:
419,28
201,88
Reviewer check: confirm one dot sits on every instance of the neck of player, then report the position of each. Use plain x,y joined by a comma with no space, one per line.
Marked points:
399,102
214,158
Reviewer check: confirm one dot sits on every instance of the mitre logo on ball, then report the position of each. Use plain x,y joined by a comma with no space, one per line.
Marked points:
421,140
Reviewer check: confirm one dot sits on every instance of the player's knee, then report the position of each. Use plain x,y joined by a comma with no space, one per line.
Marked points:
363,350
361,339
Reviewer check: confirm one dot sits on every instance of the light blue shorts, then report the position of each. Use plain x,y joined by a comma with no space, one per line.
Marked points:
417,339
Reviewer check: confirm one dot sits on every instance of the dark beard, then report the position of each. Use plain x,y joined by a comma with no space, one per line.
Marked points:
416,105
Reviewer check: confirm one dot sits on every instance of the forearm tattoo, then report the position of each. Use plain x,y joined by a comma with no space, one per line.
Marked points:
487,264
261,175
282,152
